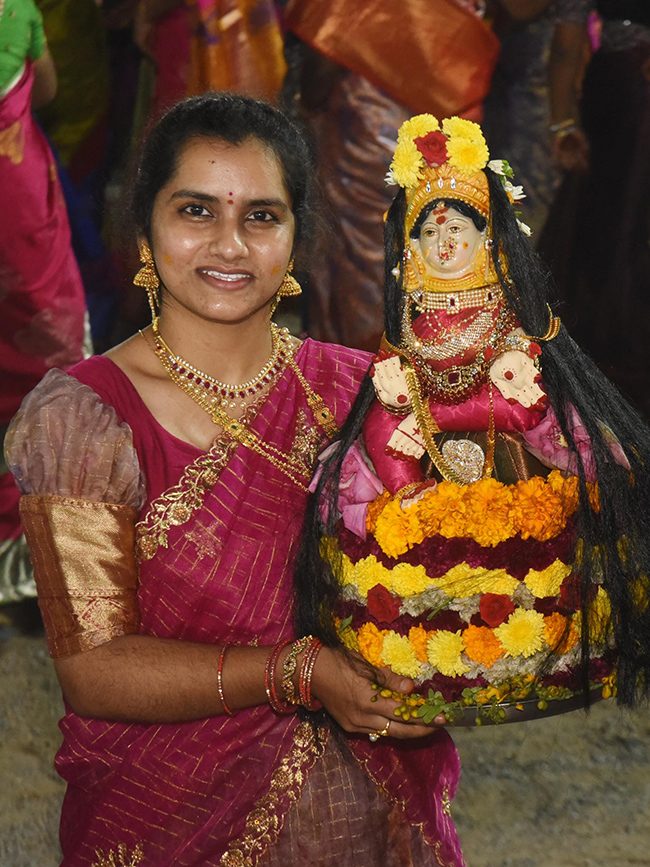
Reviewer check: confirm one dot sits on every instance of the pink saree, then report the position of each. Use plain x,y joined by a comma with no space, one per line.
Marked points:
216,539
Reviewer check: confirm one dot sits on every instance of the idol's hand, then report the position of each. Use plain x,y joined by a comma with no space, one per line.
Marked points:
406,440
345,688
389,381
515,375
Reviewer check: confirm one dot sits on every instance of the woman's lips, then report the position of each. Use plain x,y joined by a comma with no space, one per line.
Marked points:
227,279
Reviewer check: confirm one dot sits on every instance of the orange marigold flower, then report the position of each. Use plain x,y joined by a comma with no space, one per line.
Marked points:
375,509
482,645
398,530
488,513
370,643
418,637
538,511
559,633
451,508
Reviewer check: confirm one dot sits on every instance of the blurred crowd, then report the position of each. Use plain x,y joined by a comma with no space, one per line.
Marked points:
562,88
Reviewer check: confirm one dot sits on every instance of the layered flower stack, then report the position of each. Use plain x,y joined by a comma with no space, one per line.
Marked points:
473,592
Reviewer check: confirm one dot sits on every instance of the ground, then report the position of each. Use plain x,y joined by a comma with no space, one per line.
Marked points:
571,791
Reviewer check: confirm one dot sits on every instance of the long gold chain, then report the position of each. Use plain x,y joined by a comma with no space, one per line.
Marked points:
428,427
291,466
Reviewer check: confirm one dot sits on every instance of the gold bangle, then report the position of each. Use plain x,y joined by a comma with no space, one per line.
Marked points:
289,669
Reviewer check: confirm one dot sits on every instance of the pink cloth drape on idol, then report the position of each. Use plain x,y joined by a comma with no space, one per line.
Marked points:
216,567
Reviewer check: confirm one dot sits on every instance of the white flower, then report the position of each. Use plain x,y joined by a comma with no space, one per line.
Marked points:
496,166
389,180
524,228
516,193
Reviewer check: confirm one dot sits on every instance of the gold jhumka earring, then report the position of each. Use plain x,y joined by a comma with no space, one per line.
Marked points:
147,279
289,286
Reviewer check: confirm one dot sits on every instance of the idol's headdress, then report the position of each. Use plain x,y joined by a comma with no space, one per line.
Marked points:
434,161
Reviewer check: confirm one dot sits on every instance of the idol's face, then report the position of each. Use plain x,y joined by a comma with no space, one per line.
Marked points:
448,243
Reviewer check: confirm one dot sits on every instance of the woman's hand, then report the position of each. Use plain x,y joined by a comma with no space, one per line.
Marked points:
347,694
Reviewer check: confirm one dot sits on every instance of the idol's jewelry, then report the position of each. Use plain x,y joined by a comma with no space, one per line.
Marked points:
222,697
226,394
147,279
289,286
553,328
450,342
418,280
457,301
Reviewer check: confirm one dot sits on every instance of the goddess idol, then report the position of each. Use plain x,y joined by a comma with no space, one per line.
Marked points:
481,526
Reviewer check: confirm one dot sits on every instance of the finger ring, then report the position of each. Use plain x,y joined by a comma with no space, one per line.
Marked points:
384,732
373,737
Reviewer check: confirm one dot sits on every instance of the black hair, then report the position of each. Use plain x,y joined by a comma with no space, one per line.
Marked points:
233,119
614,547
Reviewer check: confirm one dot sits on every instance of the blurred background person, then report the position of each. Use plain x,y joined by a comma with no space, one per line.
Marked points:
605,286
42,306
357,75
531,111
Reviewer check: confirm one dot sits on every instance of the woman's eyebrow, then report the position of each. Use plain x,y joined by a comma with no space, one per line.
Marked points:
193,194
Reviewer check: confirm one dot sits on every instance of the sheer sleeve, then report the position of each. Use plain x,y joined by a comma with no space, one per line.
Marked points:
78,471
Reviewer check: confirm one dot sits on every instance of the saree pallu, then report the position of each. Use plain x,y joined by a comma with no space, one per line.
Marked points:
42,306
236,45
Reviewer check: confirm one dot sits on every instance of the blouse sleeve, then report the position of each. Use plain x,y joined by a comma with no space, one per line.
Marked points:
79,474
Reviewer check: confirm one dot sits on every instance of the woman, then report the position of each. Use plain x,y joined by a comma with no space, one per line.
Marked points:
171,752
42,306
484,514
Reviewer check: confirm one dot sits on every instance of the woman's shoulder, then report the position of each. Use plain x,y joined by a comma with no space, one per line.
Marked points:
341,361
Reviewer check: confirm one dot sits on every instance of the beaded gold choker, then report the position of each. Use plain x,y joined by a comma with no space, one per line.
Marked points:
461,299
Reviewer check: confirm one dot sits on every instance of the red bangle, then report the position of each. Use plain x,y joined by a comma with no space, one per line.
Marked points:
275,701
306,671
222,656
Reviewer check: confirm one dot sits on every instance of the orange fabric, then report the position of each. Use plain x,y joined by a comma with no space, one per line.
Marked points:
429,55
236,45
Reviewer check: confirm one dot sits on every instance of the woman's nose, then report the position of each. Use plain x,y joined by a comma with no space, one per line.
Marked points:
228,241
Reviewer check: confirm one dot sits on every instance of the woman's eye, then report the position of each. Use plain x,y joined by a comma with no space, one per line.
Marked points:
455,229
263,217
195,210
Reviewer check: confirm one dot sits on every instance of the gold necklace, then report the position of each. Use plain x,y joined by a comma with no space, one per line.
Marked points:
208,400
223,393
458,460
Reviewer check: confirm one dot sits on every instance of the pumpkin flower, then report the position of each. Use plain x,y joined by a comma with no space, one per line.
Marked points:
444,651
522,633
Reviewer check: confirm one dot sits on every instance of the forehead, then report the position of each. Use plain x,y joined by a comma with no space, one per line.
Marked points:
449,212
211,165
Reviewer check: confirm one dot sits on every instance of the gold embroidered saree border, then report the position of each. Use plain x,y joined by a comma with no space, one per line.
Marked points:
265,821
119,857
436,845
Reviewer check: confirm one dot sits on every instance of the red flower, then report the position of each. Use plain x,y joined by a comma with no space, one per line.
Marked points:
382,605
495,608
433,147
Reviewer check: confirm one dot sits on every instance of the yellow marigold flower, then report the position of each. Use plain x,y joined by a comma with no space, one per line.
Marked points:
482,645
458,126
407,580
407,164
467,156
488,512
559,633
375,509
418,636
368,572
398,653
398,530
600,612
444,651
522,633
547,582
417,126
537,511
568,489
464,580
370,643
347,569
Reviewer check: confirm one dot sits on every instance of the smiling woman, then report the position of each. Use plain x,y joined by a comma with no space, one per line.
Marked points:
164,490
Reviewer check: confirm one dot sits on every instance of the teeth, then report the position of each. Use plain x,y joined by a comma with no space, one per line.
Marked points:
219,275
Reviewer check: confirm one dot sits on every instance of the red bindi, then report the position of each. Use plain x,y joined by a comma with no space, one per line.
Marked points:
441,220
230,202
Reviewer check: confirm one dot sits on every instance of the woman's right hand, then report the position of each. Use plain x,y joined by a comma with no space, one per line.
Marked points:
347,693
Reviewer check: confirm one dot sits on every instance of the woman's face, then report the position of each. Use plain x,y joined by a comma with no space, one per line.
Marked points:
222,230
449,243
